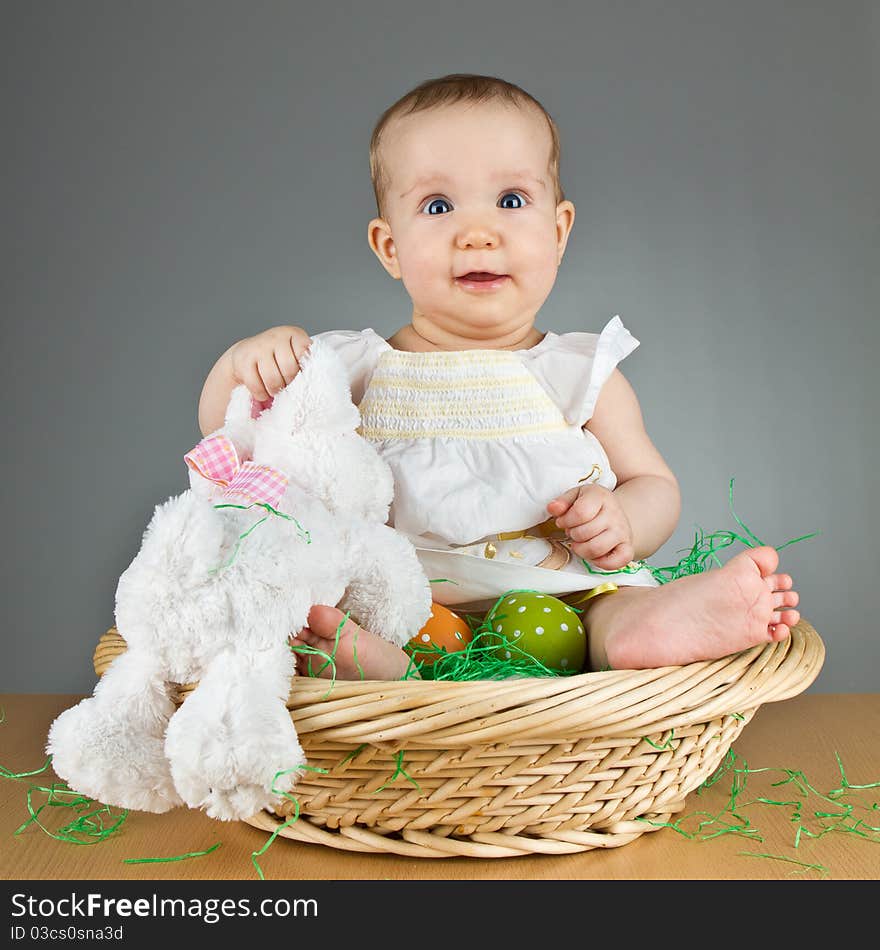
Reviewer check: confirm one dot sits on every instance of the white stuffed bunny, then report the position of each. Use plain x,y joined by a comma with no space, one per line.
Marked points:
220,582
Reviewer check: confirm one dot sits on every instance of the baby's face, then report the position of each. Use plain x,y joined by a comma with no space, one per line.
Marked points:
470,191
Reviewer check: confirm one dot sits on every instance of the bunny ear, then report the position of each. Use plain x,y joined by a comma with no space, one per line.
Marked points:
318,398
239,407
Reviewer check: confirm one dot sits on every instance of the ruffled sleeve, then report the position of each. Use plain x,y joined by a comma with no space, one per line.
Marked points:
359,350
573,367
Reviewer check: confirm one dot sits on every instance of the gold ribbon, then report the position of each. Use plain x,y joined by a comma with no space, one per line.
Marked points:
542,530
595,470
581,597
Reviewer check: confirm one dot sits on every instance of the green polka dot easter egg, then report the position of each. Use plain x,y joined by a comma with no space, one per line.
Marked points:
542,626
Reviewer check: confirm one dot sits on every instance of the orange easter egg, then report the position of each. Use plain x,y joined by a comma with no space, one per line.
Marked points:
444,630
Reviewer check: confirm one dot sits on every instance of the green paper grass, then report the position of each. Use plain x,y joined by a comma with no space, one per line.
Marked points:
399,771
477,661
666,745
703,555
781,857
8,773
846,809
94,822
303,533
281,827
176,857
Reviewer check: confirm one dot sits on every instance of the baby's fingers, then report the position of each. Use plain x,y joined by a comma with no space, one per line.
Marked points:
588,530
562,502
288,365
597,547
615,559
289,354
270,374
251,378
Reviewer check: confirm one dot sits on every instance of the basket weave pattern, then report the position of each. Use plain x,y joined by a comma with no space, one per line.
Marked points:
511,767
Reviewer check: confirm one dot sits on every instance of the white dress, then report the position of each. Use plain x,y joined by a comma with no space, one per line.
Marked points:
479,441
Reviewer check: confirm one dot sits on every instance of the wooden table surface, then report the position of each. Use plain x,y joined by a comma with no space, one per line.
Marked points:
806,734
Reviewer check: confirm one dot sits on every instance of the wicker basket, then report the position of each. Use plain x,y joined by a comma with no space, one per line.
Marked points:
505,768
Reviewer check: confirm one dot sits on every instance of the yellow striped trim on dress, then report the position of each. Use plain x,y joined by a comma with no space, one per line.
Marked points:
445,410
401,405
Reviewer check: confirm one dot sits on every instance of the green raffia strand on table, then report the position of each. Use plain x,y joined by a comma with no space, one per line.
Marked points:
7,773
781,857
176,857
303,533
843,820
89,826
272,837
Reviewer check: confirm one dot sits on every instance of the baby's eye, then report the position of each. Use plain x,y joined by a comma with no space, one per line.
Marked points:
431,206
517,196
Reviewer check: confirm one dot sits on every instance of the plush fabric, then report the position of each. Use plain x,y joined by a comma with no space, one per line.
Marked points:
219,584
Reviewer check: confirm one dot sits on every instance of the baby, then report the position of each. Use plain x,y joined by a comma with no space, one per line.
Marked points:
491,425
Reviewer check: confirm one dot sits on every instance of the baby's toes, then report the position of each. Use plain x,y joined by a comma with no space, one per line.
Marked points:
784,618
325,621
765,558
778,631
779,582
305,636
784,598
311,651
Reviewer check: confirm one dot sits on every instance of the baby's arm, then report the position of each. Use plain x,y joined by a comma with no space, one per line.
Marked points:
265,363
643,509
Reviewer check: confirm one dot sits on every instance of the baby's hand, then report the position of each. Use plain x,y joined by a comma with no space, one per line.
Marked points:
267,362
595,521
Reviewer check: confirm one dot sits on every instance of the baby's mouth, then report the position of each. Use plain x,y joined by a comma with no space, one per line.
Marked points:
480,276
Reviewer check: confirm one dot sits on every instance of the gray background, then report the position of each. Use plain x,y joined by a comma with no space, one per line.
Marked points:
180,175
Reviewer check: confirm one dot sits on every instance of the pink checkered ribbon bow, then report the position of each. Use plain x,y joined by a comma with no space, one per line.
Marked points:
216,459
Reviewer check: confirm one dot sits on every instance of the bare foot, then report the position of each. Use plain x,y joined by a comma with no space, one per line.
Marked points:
357,654
700,617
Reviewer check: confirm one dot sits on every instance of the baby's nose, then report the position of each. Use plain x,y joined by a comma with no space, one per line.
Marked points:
477,236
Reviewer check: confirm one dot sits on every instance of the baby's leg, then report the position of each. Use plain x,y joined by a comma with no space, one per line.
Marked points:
700,617
358,653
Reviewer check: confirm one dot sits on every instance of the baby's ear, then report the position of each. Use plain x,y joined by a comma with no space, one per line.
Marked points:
318,398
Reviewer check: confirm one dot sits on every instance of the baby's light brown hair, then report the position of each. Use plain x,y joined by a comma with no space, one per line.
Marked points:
447,90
